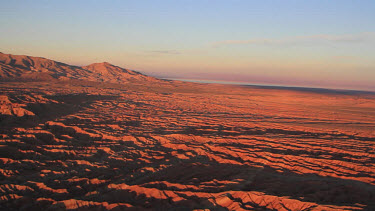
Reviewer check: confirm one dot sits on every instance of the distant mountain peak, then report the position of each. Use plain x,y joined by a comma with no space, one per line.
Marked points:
101,64
106,68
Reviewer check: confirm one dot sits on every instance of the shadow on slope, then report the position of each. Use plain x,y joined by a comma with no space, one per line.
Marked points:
60,105
213,177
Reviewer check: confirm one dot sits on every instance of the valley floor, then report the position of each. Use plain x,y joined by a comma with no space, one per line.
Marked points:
183,146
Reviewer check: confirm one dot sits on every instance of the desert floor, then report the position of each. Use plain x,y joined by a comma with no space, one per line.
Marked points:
182,146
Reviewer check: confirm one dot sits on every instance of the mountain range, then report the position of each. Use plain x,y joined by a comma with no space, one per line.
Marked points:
21,67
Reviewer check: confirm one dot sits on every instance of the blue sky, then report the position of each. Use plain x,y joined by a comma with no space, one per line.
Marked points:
304,43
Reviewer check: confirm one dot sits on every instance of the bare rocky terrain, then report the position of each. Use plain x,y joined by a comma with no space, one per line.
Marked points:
101,137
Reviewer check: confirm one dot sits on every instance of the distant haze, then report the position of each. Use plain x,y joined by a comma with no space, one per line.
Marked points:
294,43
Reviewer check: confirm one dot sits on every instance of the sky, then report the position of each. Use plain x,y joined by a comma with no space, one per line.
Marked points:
329,44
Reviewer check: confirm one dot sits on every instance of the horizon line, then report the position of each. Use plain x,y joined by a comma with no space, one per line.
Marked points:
269,85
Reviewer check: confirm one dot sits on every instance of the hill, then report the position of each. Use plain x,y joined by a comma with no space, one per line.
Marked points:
20,67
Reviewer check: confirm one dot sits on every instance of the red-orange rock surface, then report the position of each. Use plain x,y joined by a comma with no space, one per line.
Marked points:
165,145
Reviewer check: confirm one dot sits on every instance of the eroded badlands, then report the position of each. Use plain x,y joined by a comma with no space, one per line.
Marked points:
182,146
